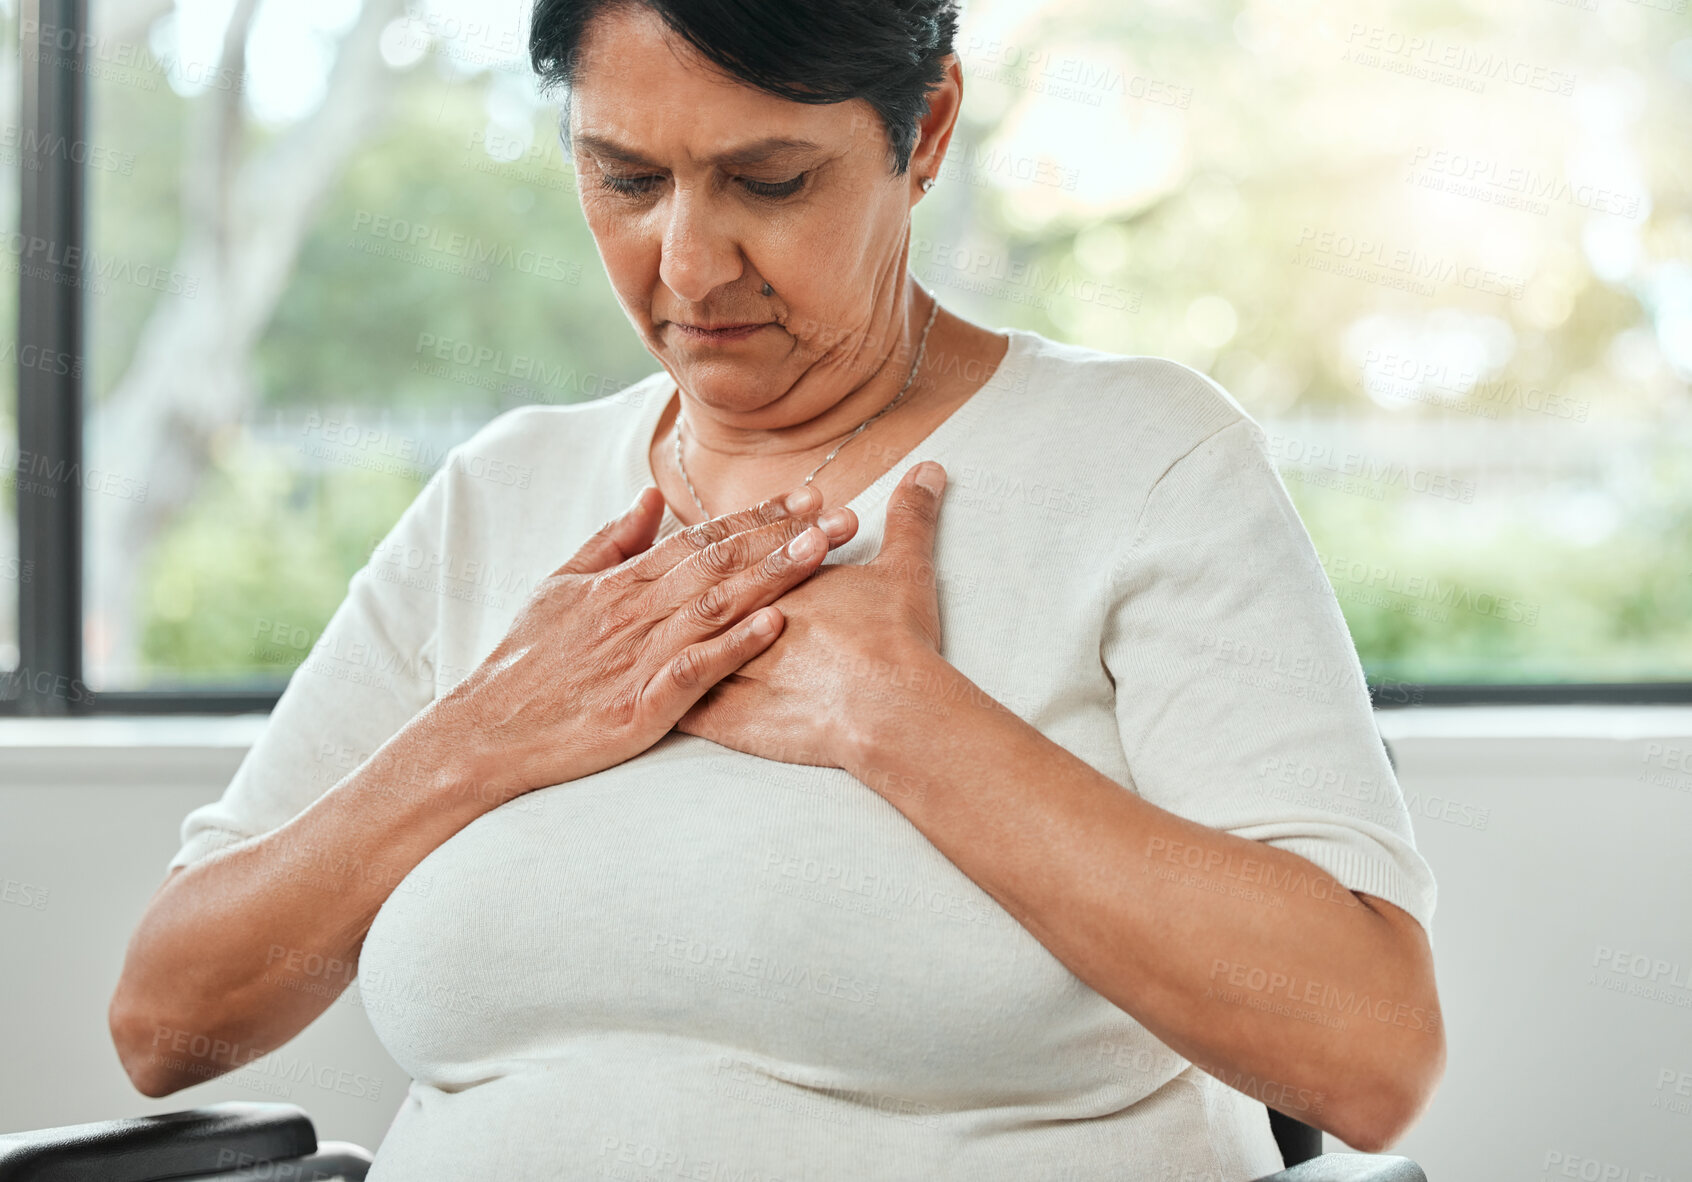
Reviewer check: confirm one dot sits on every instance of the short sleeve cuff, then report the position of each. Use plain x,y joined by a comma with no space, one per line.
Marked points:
202,844
1370,870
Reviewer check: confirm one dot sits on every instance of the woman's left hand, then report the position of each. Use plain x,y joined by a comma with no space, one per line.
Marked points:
855,641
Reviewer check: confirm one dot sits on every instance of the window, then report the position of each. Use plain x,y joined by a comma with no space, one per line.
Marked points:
353,241
12,571
1440,257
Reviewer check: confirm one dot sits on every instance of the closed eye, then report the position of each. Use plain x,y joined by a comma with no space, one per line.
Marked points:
640,186
631,186
774,190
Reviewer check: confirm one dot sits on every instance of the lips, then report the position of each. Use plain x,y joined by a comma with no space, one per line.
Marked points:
718,332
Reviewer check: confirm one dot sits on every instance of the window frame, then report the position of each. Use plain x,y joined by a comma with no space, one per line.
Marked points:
49,679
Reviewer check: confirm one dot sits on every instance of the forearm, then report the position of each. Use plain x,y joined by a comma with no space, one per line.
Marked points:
1243,958
243,949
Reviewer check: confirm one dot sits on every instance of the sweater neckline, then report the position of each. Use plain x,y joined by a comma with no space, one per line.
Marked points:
637,470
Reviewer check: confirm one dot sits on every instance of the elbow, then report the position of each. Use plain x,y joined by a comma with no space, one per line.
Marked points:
154,1085
136,1035
1376,1125
1374,1132
1377,1118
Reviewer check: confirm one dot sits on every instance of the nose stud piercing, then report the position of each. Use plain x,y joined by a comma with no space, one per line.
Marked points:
768,290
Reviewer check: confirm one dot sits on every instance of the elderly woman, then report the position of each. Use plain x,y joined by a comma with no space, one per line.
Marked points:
1037,828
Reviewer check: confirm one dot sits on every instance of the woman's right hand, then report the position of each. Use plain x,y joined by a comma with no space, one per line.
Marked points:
617,644
602,660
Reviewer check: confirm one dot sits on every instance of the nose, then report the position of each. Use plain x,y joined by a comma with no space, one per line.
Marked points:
699,255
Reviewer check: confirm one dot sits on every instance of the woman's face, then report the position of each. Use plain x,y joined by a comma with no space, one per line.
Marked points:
699,189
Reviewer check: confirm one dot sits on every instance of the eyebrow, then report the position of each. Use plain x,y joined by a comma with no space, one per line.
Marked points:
755,152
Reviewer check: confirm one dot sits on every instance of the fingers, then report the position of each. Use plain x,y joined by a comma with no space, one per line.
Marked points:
734,578
692,672
789,562
621,538
913,516
682,544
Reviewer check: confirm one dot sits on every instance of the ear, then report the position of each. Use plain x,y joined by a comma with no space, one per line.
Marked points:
934,129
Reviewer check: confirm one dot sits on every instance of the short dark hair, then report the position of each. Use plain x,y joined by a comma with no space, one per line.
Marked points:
886,52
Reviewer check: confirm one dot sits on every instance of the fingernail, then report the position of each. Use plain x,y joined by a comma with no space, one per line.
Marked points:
805,545
834,521
931,476
801,499
763,624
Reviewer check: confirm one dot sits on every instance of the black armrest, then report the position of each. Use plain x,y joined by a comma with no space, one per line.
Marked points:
1297,1140
197,1141
1351,1167
334,1161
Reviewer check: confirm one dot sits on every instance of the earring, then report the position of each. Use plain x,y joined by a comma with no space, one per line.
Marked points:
927,183
768,290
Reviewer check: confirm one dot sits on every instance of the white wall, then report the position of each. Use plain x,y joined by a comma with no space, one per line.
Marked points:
96,826
1585,848
1555,834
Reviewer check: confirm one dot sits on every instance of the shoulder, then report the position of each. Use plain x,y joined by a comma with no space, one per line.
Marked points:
555,435
1132,412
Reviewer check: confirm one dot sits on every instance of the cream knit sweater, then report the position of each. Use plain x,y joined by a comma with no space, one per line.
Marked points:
704,965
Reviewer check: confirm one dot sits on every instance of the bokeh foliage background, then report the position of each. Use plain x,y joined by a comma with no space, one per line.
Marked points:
1491,398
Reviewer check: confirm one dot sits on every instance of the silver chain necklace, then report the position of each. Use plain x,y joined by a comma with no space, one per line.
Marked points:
922,347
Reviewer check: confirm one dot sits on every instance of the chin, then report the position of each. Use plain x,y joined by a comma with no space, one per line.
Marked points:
735,384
